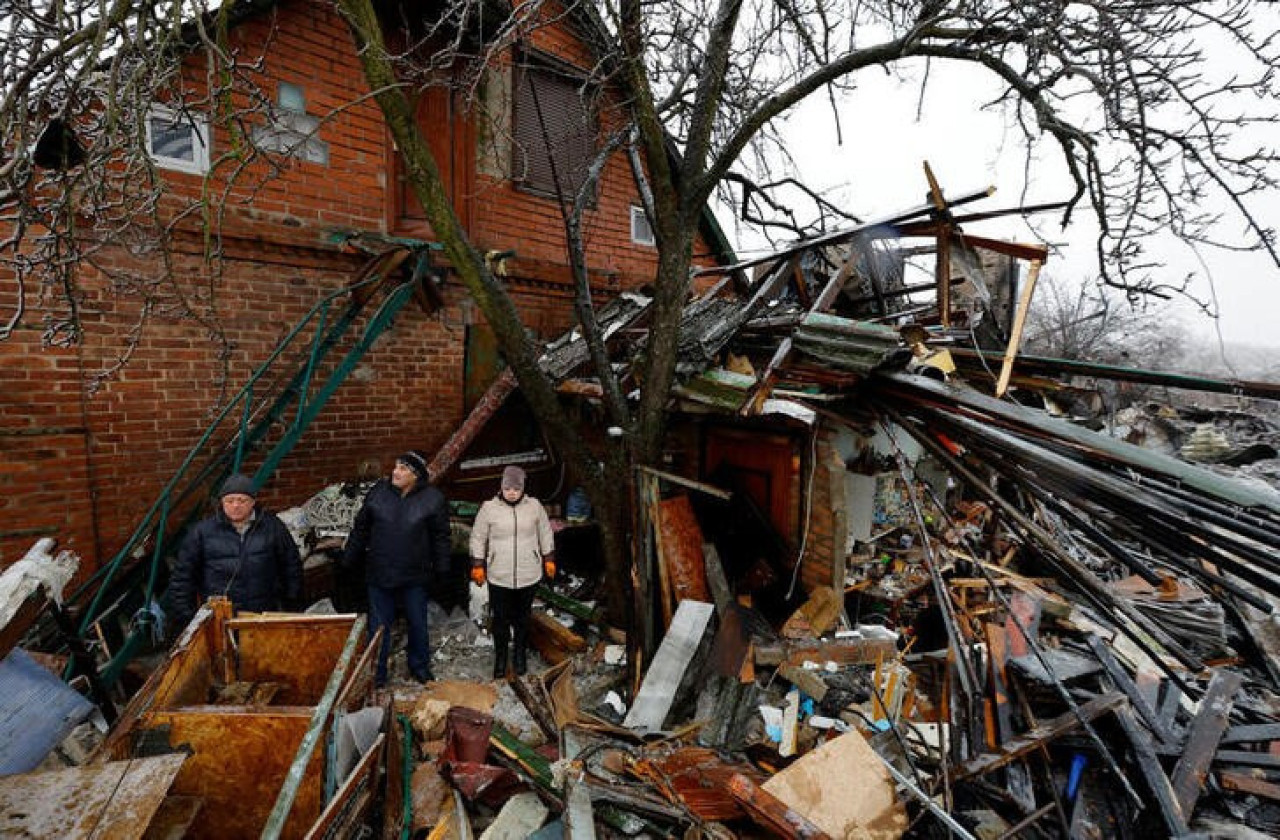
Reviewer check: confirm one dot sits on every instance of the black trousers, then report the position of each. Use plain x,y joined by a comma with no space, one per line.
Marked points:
510,609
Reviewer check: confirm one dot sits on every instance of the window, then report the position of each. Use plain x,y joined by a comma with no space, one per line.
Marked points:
291,130
177,140
554,129
641,230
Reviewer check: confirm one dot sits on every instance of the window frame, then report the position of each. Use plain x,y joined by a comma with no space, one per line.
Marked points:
197,124
637,212
548,66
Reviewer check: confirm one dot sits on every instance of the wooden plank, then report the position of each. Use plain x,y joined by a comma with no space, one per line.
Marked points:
804,679
1206,730
688,483
1242,758
790,722
943,267
657,692
1252,733
1049,730
840,651
717,582
484,409
651,500
1153,773
1126,684
1019,323
1244,783
554,642
1169,703
115,799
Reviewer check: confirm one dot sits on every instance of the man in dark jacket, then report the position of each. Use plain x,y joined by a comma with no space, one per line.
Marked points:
242,552
401,538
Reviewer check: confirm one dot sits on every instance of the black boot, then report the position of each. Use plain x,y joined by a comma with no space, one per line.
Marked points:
519,660
499,660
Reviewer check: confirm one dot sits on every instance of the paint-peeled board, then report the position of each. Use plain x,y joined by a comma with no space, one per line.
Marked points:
817,785
658,690
114,800
37,710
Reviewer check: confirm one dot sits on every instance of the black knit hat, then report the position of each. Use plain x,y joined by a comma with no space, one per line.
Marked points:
416,461
238,483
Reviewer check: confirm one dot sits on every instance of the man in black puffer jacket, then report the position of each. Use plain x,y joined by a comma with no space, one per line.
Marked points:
242,552
401,537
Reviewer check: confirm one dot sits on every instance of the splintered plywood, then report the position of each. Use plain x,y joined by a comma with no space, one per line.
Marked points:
113,800
299,652
819,783
680,547
238,766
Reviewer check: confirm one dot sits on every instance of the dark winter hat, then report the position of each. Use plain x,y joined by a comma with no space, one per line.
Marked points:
416,461
513,479
238,483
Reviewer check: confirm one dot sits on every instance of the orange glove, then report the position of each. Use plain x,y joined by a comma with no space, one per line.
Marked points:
478,576
549,567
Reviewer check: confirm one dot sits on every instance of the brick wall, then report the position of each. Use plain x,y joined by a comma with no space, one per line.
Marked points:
83,456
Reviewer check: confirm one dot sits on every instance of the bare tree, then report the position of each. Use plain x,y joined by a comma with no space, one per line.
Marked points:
87,92
1092,322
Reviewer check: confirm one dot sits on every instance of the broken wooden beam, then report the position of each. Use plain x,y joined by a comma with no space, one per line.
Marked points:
805,679
1206,730
1126,684
554,642
1157,782
1244,783
1024,744
840,651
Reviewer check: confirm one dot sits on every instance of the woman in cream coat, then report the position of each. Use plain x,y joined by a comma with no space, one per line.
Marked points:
512,549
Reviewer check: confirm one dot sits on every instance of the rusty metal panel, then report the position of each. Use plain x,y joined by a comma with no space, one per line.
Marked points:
107,801
680,541
699,778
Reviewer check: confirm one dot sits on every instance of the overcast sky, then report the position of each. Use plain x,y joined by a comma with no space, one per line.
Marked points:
878,169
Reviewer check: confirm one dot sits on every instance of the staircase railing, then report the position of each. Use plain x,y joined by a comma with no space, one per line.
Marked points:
165,521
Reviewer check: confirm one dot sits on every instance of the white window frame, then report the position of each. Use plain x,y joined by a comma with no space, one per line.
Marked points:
641,229
199,127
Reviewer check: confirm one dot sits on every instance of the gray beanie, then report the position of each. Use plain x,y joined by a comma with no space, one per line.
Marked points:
238,483
513,479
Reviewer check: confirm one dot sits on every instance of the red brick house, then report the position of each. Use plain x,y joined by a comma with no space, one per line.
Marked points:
83,462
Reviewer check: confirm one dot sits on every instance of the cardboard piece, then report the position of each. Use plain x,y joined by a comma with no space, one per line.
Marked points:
816,785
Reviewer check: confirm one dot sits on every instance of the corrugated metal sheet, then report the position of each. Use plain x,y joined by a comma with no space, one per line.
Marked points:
37,710
849,345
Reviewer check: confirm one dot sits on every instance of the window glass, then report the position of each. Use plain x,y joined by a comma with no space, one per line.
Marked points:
177,141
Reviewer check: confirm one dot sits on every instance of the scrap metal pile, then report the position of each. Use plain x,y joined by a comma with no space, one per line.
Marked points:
1049,632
